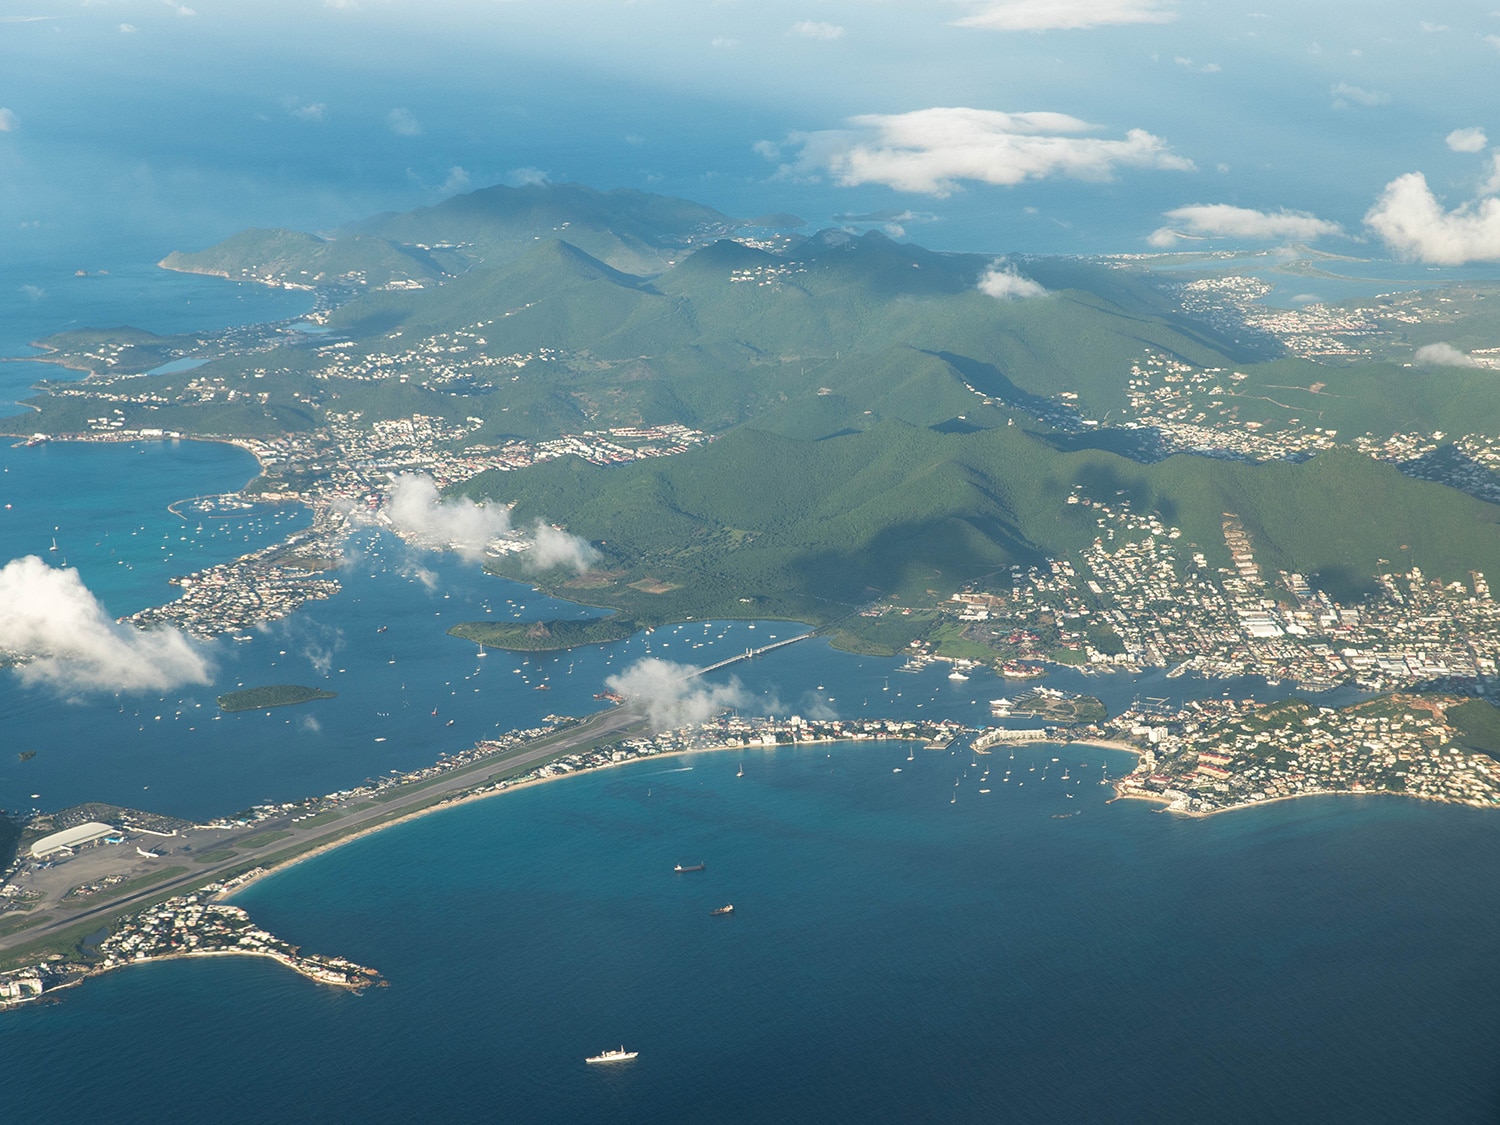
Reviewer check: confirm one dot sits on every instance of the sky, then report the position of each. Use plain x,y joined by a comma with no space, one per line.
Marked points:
129,128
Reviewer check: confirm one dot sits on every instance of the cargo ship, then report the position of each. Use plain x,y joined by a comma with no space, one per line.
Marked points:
729,909
682,869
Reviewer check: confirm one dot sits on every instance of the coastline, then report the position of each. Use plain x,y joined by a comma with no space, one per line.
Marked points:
187,954
255,876
1122,794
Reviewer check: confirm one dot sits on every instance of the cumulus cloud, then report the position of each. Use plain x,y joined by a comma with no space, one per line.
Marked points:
9,122
1065,15
1467,140
813,29
1221,220
1201,68
128,29
1491,185
524,177
1346,96
417,511
424,517
66,640
723,42
672,693
931,150
458,180
552,548
1002,282
1444,355
313,111
1411,221
403,122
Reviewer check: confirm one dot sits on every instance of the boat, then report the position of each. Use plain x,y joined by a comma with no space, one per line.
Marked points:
726,909
957,675
742,770
618,1055
682,869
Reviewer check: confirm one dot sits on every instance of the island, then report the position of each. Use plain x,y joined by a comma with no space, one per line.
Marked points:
272,695
666,414
546,636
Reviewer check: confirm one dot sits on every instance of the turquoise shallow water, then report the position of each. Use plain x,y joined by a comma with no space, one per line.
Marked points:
892,957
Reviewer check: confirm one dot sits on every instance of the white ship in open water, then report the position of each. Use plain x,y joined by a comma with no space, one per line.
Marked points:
621,1055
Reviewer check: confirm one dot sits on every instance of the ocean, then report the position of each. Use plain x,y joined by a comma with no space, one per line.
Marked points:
903,947
1021,955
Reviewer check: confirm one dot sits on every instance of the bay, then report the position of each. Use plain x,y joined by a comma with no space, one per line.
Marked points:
893,956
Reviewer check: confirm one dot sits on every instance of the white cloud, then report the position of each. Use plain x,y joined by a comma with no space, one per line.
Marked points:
403,122
1493,41
931,150
522,177
1411,221
180,9
57,627
1002,282
425,518
1471,139
672,693
552,548
813,29
1345,96
1491,185
458,180
1065,15
32,292
128,29
1444,355
723,42
1430,28
1201,68
416,510
313,111
1221,220
9,122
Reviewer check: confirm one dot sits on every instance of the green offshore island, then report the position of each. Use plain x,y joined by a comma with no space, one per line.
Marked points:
272,695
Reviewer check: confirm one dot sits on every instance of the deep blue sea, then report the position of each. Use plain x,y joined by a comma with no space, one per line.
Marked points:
903,948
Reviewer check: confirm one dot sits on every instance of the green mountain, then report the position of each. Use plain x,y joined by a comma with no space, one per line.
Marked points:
631,230
811,528
884,425
290,257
